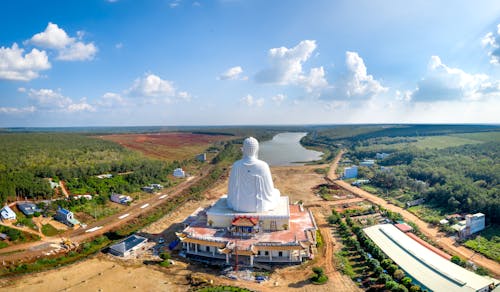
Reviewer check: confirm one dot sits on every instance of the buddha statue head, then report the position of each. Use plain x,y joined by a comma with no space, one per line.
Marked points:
250,148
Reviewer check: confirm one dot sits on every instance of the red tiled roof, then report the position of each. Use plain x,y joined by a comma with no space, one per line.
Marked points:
403,227
245,221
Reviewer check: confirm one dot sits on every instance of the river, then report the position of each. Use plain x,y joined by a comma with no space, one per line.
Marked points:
285,149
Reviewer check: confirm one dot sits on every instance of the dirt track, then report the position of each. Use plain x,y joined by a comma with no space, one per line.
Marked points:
433,233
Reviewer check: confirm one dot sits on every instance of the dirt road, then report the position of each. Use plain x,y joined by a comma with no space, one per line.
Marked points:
433,233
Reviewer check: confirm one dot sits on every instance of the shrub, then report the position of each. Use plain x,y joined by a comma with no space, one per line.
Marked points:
399,274
406,281
165,263
165,255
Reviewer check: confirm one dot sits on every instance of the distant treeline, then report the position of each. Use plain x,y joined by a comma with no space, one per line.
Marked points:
29,158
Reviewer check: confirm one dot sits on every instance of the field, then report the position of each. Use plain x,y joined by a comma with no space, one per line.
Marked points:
487,243
167,146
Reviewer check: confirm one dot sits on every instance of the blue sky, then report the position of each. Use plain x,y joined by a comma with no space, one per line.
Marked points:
226,62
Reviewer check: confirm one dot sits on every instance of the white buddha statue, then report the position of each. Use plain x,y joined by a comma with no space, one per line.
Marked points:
251,187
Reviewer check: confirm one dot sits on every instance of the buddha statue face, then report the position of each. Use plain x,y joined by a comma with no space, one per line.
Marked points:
250,147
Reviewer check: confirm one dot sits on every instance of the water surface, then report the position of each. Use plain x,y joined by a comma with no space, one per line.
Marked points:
285,149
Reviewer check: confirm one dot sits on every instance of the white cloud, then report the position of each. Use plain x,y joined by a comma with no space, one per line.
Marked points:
69,48
16,66
51,100
286,67
492,41
16,110
356,83
48,98
359,83
174,3
111,99
80,106
152,85
119,45
446,83
278,98
233,73
185,95
249,100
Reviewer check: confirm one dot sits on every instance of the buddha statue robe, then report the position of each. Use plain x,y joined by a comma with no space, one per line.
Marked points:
251,187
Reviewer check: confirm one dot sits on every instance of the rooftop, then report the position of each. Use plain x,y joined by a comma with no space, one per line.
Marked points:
433,271
300,223
128,243
221,208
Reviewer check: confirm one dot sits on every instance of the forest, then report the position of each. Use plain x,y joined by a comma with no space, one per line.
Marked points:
29,158
462,179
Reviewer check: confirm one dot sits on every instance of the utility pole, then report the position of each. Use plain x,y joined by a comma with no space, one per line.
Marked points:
236,255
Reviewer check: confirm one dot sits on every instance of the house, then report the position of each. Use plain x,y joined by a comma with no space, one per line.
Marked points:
382,155
128,246
53,184
201,157
7,214
360,182
148,189
351,172
157,186
66,217
120,199
28,208
415,202
472,224
4,236
178,172
403,227
367,162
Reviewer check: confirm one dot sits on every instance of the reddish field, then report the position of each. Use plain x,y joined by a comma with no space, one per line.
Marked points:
167,146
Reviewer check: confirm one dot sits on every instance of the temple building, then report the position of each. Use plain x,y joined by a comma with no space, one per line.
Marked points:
253,223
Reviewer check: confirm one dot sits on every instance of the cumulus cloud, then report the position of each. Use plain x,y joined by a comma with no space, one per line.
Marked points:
286,67
68,48
491,41
356,83
152,85
111,99
51,100
278,98
233,73
445,83
15,65
249,100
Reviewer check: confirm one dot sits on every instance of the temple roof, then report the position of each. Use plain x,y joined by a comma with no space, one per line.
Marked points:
245,221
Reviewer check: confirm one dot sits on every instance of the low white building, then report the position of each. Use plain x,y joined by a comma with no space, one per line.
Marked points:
382,155
178,172
367,162
128,246
351,172
120,199
7,214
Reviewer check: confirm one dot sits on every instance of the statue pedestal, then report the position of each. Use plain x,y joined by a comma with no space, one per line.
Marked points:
220,215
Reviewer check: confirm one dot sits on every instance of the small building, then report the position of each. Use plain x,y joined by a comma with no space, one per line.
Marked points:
157,186
120,199
403,227
444,222
360,182
351,172
66,217
53,184
4,236
28,208
201,157
178,172
7,214
382,155
87,196
475,222
386,168
148,189
106,175
415,202
367,162
128,246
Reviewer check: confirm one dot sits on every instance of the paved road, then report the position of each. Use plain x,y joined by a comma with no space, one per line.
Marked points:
433,233
33,249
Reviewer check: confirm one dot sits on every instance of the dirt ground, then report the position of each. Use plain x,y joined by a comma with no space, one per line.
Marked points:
169,146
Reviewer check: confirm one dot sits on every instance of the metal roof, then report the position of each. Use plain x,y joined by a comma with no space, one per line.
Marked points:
433,271
128,243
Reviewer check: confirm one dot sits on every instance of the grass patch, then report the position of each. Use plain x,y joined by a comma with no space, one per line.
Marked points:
487,243
3,244
49,230
426,213
343,265
440,142
370,189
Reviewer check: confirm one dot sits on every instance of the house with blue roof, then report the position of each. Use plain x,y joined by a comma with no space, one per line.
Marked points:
66,217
